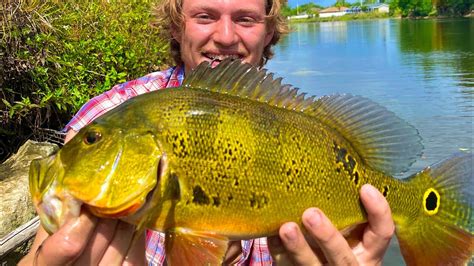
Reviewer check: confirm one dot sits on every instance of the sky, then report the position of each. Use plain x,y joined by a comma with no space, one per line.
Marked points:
325,3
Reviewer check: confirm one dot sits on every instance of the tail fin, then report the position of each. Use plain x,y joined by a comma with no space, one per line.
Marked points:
442,234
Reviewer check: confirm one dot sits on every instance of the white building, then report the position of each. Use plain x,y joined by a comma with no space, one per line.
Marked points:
333,12
301,16
380,7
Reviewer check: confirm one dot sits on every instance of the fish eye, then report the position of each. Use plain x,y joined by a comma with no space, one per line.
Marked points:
92,137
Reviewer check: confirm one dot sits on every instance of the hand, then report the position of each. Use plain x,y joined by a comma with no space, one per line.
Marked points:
87,240
367,249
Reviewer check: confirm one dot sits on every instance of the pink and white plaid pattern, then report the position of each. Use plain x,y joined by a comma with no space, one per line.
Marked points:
254,252
97,106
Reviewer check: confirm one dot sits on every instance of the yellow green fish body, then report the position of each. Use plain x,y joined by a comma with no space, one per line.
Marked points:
233,154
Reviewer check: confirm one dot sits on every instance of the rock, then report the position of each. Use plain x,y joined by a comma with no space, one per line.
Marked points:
16,207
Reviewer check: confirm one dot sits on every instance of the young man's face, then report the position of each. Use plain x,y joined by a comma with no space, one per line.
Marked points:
216,29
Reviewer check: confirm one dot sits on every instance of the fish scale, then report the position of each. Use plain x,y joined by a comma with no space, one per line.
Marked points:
295,166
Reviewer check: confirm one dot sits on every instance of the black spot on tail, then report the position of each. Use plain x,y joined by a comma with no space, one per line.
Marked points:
431,201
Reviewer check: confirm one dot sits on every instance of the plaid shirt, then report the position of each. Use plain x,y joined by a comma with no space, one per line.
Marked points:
254,252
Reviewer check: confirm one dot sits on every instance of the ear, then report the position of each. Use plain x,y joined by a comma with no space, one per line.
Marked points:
176,34
269,36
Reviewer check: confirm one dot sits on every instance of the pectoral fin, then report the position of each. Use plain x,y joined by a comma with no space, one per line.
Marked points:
187,247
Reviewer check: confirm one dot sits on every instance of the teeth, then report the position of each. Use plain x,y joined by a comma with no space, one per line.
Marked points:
221,57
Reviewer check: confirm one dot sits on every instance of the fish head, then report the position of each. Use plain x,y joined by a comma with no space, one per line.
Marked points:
109,170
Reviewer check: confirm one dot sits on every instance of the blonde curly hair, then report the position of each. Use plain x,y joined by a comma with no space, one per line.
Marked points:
168,15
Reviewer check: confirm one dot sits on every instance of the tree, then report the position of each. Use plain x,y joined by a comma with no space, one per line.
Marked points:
309,8
340,3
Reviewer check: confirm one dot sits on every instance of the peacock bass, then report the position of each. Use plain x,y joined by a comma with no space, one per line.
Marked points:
233,154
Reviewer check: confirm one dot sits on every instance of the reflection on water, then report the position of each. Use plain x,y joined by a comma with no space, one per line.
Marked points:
422,70
447,44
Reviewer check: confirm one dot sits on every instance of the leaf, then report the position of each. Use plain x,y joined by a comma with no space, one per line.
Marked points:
7,103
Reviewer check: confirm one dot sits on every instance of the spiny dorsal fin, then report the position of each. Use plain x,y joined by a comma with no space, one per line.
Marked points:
246,81
384,141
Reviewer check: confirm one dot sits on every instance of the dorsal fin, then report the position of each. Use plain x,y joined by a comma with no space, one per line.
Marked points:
246,81
383,140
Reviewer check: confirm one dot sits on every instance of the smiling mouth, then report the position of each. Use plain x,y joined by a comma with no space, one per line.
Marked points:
221,57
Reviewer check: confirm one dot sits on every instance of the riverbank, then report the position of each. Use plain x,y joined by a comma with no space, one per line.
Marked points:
359,16
371,15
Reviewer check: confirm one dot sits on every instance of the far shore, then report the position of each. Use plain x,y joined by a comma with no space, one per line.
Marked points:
372,15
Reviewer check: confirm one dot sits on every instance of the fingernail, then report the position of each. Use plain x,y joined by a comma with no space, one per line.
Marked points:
371,191
313,217
291,233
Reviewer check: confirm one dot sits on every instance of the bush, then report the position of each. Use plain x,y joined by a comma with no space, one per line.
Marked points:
55,55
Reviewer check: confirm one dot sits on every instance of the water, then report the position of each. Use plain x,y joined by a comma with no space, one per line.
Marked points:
422,70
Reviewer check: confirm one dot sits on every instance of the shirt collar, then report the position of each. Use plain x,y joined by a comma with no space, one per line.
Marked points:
177,77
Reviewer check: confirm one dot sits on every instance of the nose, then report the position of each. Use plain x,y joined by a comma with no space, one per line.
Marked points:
225,33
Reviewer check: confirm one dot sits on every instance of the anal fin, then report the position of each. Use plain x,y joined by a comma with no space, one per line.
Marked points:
187,247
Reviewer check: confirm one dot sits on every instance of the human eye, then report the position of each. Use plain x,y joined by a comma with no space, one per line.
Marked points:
203,18
247,21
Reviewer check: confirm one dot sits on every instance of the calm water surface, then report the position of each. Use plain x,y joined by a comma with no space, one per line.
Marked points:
421,70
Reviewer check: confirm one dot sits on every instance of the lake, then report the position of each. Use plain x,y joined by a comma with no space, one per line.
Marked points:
423,70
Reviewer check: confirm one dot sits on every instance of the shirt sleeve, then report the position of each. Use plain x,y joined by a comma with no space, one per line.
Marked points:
108,100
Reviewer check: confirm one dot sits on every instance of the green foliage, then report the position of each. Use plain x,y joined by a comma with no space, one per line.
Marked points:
74,50
404,8
287,11
340,3
395,9
308,8
422,8
56,55
455,7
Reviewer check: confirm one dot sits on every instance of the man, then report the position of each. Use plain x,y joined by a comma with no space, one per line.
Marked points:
210,30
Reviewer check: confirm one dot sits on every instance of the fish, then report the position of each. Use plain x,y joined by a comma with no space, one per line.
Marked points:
234,153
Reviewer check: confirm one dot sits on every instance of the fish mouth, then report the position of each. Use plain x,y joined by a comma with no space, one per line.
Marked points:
60,189
130,208
55,209
53,206
134,210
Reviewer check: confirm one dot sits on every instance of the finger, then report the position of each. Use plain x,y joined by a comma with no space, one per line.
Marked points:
64,246
298,249
279,255
233,253
40,237
274,245
136,253
330,240
98,243
380,227
116,252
